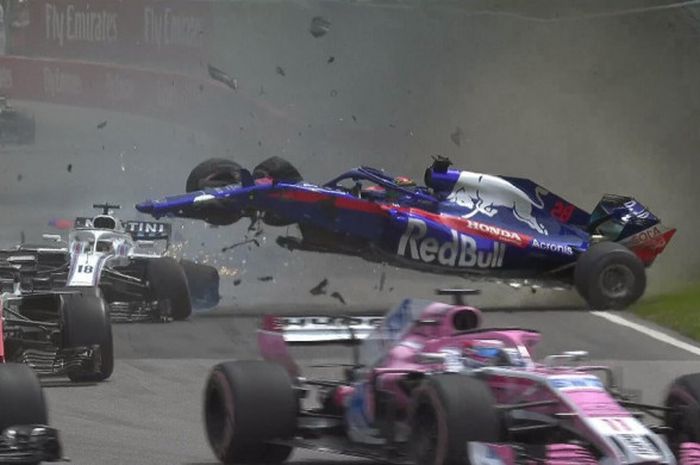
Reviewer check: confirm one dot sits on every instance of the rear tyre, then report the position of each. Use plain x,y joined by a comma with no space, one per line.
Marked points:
448,411
86,323
246,405
684,419
215,172
21,398
167,281
279,170
609,276
203,282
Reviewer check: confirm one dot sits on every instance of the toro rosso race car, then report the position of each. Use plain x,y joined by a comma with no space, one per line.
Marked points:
459,222
56,332
118,259
431,386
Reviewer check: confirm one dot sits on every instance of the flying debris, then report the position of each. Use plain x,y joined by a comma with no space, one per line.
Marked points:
330,59
219,75
279,70
237,244
319,26
236,282
265,279
102,125
69,168
336,295
320,288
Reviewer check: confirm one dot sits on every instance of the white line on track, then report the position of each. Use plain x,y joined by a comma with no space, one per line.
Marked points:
652,333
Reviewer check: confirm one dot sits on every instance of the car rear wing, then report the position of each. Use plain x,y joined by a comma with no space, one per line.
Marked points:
148,230
625,220
139,230
321,329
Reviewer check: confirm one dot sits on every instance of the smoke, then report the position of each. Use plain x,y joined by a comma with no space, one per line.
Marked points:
580,99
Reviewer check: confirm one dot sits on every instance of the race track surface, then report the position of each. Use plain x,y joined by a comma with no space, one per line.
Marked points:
150,411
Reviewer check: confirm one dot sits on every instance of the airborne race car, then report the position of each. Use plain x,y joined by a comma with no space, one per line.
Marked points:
460,222
57,333
430,386
138,284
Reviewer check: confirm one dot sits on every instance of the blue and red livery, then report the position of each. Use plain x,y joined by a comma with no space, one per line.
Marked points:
458,222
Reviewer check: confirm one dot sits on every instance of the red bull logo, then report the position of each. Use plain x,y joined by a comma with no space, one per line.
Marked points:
460,252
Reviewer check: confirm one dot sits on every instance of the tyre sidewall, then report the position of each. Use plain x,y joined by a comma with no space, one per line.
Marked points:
167,281
259,406
22,400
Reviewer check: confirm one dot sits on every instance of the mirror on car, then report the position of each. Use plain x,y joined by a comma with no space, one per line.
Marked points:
21,259
52,237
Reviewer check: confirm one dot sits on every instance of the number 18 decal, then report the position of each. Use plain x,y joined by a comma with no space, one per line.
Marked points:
85,268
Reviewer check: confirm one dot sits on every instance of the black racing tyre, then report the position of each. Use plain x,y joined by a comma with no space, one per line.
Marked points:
280,170
683,420
167,281
446,412
21,398
203,282
609,276
215,172
247,404
86,323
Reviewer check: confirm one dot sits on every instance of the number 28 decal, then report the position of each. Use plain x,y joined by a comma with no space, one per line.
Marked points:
562,211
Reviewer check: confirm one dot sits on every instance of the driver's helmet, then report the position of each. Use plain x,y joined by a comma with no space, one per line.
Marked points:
104,246
486,352
404,181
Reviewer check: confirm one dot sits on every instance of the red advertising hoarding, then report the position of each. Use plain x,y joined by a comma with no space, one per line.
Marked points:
167,96
151,33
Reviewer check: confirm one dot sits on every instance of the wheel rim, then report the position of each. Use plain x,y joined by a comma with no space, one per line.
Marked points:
616,281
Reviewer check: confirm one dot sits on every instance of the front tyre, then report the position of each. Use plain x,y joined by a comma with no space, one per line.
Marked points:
683,418
447,411
215,172
279,170
86,323
167,281
247,404
21,398
609,276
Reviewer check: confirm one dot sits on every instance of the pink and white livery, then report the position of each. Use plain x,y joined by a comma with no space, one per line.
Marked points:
430,385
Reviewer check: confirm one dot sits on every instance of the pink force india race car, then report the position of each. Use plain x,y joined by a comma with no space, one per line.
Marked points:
431,386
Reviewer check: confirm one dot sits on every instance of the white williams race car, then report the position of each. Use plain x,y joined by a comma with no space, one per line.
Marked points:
138,282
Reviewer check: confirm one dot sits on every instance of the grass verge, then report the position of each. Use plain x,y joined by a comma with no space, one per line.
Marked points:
678,310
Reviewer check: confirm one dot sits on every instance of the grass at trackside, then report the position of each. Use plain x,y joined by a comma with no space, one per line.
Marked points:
679,310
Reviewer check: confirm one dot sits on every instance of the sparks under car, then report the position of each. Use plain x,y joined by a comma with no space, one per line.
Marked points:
459,222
